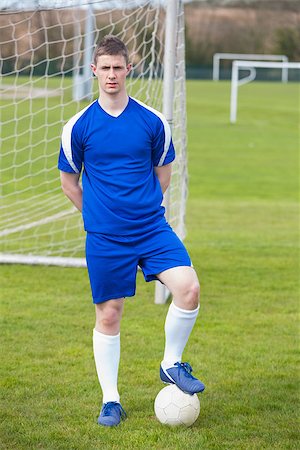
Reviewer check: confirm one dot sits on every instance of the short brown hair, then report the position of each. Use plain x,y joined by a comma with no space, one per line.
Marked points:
111,45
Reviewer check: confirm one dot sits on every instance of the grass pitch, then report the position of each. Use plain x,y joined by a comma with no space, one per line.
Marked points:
243,236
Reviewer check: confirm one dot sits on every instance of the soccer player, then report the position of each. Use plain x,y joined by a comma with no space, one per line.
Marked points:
126,150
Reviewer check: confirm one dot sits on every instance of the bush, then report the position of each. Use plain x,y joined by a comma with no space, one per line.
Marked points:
287,43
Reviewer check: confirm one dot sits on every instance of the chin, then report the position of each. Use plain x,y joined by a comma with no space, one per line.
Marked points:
112,91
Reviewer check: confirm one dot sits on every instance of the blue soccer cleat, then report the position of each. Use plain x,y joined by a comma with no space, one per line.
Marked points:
111,414
181,375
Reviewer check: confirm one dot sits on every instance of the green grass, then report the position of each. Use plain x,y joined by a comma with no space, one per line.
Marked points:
243,236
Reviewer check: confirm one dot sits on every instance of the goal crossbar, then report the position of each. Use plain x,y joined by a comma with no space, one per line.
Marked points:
235,82
245,56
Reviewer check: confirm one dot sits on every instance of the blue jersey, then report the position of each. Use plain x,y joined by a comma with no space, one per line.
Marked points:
121,192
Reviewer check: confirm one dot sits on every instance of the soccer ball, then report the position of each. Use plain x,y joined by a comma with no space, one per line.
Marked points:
174,407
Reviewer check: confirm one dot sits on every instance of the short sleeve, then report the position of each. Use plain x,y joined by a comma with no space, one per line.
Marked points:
163,151
71,150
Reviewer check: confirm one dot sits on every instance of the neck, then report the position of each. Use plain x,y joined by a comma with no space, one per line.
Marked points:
113,104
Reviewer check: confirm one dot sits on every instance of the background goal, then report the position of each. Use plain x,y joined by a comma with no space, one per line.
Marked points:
45,79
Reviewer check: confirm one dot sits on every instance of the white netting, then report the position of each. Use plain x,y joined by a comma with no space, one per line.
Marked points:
43,55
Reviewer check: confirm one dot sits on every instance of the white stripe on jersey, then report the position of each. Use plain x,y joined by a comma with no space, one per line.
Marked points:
166,128
67,135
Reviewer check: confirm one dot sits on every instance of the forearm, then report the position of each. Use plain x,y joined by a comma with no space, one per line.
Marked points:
72,189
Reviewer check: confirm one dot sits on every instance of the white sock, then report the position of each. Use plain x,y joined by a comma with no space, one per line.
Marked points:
178,326
107,357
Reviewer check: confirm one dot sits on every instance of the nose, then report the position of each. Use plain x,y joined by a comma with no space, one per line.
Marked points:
111,74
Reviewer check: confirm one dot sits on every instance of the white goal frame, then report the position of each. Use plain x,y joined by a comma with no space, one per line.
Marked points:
247,57
164,47
250,65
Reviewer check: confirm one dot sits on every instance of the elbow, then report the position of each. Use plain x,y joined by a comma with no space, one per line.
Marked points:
164,186
67,183
64,188
166,183
67,189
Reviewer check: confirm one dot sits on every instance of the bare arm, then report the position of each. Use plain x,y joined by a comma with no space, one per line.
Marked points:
164,176
71,188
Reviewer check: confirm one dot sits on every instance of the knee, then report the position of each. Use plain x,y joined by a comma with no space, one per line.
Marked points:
191,298
108,319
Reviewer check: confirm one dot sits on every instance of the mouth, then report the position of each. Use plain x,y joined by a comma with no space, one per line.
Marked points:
111,85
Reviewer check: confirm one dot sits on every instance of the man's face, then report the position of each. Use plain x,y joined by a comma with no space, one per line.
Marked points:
111,71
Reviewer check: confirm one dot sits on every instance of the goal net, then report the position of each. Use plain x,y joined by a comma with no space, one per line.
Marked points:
45,79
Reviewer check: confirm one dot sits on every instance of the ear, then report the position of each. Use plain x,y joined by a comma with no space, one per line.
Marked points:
94,68
129,68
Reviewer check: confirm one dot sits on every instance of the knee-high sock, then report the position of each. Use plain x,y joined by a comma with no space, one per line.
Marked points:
178,326
107,357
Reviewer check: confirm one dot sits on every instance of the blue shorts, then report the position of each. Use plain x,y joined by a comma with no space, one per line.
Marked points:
113,261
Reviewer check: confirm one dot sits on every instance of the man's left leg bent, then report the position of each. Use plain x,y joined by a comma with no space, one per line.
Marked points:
183,283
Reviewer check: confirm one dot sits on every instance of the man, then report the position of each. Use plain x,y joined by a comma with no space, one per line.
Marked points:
127,150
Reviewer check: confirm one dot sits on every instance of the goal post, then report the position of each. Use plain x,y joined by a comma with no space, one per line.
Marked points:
161,292
43,56
250,65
